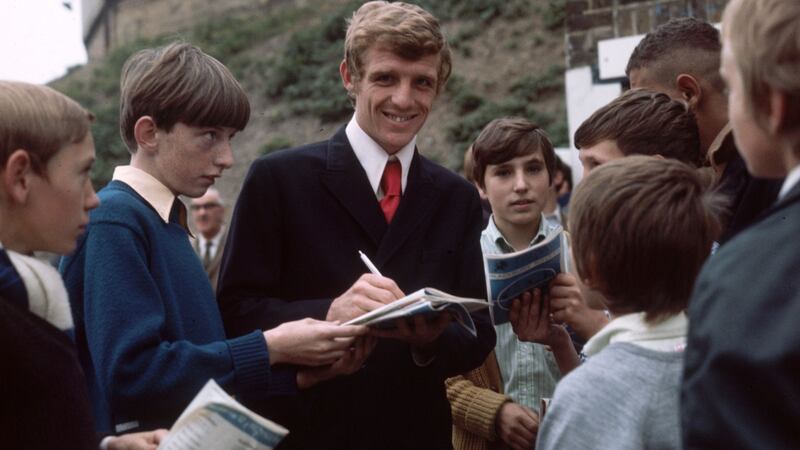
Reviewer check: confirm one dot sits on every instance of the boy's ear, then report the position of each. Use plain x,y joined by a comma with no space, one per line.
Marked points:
778,114
145,132
16,176
690,90
480,191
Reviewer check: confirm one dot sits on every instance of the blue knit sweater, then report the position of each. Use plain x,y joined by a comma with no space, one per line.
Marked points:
148,330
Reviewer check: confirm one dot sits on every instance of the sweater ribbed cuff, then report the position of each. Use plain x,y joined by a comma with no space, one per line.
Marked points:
250,362
481,412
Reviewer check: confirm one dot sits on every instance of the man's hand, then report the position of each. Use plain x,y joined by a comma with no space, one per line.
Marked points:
146,440
348,364
517,426
567,305
310,342
417,331
367,293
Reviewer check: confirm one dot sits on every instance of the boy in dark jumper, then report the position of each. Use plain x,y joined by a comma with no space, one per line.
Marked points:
148,330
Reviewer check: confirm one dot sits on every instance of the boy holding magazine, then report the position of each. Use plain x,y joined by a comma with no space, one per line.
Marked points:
513,166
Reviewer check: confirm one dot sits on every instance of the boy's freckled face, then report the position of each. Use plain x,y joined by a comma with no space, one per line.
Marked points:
191,158
759,150
517,190
394,96
59,203
598,154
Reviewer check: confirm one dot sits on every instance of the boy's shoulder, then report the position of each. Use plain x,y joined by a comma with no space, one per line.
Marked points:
119,202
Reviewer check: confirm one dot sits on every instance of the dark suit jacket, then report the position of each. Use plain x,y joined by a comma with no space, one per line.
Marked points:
45,402
748,197
741,384
300,220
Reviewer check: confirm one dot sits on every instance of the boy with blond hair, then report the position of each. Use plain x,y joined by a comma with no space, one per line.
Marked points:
513,166
642,227
46,153
148,330
740,386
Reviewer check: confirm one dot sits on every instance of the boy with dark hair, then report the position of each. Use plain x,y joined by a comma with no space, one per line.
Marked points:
681,59
513,167
642,122
740,387
46,153
642,228
148,329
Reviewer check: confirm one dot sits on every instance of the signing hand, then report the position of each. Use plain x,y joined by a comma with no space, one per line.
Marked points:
367,293
310,342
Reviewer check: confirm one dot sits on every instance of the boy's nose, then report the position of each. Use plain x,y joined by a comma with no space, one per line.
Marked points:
225,156
92,200
520,183
402,96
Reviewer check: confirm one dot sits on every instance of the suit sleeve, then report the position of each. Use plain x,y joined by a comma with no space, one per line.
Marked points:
249,280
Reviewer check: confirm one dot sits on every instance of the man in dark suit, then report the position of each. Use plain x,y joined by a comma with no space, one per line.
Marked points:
741,384
208,214
303,215
681,59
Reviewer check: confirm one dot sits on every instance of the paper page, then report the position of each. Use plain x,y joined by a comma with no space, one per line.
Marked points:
214,420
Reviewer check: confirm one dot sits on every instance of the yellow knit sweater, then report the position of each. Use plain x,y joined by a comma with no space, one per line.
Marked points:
475,398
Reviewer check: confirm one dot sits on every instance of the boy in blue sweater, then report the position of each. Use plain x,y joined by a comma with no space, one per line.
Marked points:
148,331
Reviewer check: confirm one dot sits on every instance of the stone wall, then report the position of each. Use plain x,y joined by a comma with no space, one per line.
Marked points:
588,21
111,23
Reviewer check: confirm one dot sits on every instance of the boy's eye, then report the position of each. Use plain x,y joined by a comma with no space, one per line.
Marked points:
534,169
502,172
211,135
425,82
383,79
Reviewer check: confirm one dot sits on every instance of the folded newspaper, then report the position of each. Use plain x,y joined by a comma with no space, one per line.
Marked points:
427,302
508,275
214,420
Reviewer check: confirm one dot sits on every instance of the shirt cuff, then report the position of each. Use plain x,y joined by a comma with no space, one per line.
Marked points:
422,360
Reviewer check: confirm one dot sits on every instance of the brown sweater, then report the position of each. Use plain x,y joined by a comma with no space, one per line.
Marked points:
475,399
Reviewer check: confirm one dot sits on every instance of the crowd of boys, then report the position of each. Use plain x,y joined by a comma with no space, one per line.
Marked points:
671,326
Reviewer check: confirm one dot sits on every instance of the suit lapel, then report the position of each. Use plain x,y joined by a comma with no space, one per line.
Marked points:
416,206
345,179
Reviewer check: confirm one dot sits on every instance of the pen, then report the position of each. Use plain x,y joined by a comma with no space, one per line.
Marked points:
369,264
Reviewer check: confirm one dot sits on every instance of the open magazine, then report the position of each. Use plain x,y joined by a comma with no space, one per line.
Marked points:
427,302
508,275
214,420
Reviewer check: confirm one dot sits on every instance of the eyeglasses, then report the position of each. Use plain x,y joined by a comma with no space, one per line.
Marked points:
196,207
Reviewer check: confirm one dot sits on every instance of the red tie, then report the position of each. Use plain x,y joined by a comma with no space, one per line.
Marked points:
390,184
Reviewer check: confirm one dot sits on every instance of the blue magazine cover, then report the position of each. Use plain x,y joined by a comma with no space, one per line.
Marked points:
508,275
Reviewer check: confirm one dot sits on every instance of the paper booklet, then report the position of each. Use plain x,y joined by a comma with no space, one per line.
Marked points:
427,302
508,275
214,420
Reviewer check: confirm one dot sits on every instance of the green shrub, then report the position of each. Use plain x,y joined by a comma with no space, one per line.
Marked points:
276,143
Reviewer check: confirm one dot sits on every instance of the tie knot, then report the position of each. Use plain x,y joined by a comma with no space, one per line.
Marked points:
390,182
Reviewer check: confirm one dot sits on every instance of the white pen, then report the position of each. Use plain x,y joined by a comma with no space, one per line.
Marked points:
369,264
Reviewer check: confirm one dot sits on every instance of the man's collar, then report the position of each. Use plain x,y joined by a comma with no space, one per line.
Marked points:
715,155
152,191
373,158
496,236
792,178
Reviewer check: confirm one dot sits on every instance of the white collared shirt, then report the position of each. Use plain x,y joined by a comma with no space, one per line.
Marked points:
668,335
791,180
215,241
373,157
153,191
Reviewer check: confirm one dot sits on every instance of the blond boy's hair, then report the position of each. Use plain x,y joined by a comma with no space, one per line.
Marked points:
179,83
765,37
39,120
642,228
404,29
